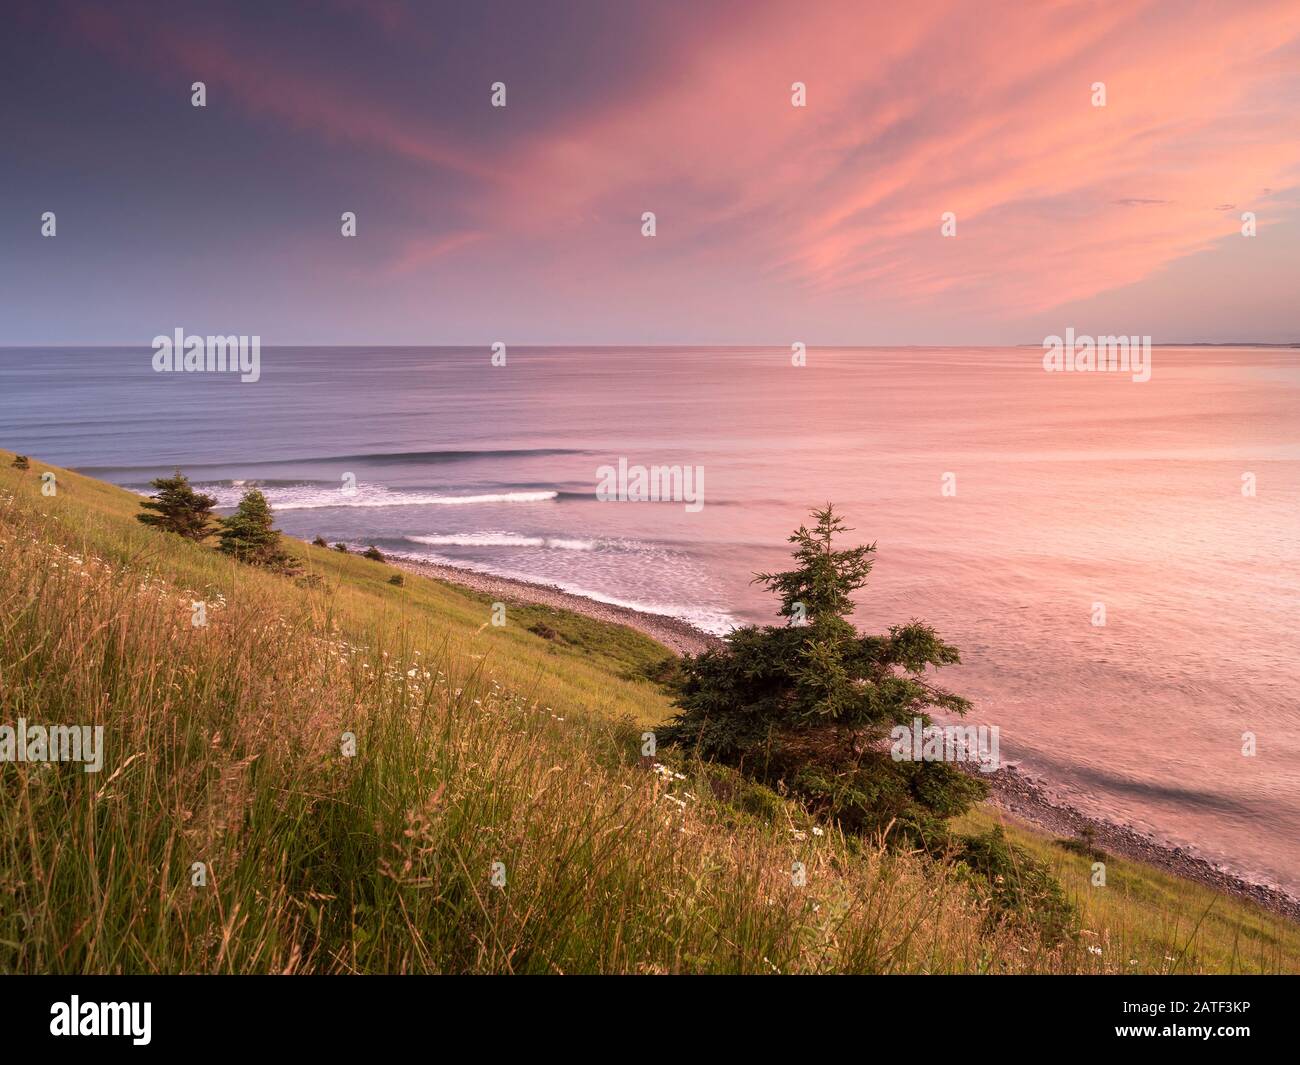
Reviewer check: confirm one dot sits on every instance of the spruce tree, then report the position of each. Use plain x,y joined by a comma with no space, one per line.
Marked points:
249,534
179,509
807,706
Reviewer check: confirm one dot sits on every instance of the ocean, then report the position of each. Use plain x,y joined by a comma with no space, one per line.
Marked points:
1008,505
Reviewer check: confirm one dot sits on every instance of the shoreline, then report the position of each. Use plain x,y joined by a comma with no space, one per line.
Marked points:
1022,798
1011,791
679,636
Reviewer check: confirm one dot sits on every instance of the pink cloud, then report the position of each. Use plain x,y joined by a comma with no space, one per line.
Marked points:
420,251
913,110
985,112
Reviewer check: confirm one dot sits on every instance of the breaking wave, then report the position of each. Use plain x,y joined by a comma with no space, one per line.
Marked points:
316,496
502,539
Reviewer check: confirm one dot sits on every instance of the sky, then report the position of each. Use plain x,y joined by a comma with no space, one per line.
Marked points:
774,223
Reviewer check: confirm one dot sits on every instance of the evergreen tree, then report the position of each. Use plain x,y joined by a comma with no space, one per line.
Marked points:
250,535
807,706
179,509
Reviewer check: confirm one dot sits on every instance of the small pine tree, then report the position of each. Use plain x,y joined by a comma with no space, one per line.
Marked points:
179,509
808,705
20,462
250,535
373,553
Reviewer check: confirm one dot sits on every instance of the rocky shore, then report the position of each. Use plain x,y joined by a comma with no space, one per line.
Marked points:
1025,799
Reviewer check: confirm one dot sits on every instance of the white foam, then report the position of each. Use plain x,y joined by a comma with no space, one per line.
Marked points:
571,545
502,539
317,497
718,622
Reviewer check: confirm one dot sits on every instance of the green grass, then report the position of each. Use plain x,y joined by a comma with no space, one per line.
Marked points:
1147,920
475,745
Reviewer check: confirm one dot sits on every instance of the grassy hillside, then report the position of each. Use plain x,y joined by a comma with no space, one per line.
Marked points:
475,745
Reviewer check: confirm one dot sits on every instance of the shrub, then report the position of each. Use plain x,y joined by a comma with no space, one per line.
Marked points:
747,795
397,579
1085,845
666,672
1018,887
341,547
373,553
20,462
319,542
179,509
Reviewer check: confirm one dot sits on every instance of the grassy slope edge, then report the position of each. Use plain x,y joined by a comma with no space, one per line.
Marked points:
474,745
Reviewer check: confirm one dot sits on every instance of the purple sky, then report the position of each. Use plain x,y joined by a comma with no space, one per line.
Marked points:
775,223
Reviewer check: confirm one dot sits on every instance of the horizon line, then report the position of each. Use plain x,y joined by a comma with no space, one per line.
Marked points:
661,346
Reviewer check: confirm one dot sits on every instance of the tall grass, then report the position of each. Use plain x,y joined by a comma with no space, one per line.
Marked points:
494,816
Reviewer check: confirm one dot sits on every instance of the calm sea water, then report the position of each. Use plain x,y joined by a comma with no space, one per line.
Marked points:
1071,490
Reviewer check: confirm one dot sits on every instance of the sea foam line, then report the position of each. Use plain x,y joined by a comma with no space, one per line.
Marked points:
502,539
315,497
717,622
